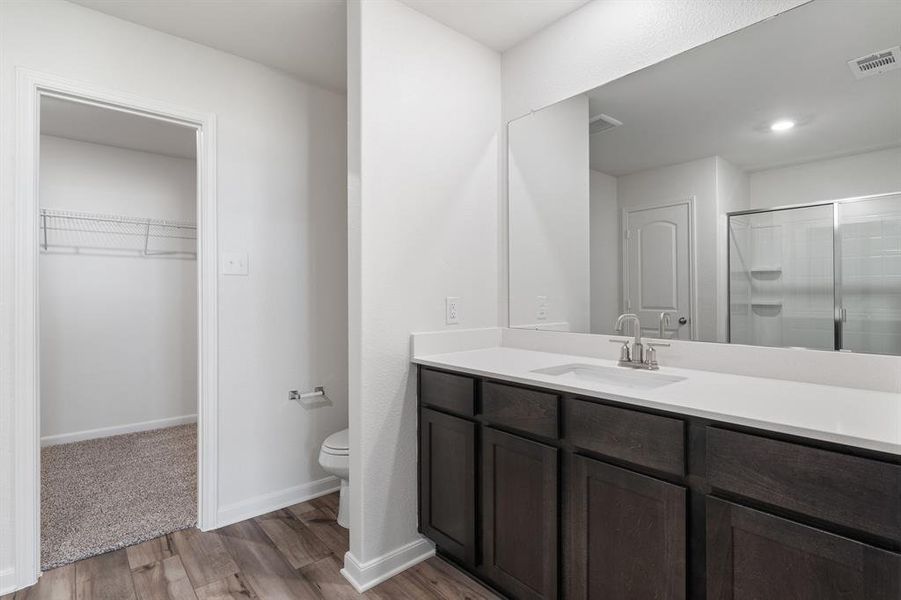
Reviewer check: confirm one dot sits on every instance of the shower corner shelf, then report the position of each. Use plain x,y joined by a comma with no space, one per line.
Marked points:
767,303
766,269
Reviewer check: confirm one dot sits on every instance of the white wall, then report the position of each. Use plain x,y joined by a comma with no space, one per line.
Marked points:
857,175
281,178
731,195
606,249
424,121
607,39
549,233
118,332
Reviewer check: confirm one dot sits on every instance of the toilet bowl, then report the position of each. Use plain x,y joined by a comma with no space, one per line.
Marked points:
333,456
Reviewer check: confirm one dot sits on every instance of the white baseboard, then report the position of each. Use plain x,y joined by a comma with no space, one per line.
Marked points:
371,573
260,505
8,582
90,434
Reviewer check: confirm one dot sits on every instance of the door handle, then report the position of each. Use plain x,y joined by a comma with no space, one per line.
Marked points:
682,320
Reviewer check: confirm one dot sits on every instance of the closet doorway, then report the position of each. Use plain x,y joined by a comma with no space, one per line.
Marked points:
117,211
117,309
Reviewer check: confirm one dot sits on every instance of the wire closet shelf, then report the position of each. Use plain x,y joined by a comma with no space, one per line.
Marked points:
77,232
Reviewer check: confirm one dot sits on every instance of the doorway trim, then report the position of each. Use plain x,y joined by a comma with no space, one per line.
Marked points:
22,245
688,202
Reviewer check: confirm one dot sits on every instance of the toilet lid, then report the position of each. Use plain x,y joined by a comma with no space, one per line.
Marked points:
337,442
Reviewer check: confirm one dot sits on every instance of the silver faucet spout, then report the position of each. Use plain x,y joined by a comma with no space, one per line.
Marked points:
637,358
629,317
637,348
663,324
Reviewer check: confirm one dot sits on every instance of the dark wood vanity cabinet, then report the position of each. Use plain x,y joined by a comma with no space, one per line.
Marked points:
519,514
627,534
752,554
544,495
447,483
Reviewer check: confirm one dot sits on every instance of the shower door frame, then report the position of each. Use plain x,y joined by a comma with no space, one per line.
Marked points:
838,309
20,243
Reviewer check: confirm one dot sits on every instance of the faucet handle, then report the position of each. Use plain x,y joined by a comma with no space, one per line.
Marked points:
624,354
651,354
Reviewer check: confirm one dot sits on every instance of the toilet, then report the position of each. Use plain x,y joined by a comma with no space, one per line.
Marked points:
333,456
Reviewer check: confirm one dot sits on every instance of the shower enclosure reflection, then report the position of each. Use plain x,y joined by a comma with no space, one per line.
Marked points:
825,276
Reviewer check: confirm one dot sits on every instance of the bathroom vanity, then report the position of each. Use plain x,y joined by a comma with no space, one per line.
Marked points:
545,487
720,196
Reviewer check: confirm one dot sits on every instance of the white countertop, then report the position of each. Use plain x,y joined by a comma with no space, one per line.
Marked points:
860,418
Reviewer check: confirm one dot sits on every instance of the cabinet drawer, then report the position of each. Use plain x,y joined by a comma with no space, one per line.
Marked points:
455,393
639,438
853,492
522,409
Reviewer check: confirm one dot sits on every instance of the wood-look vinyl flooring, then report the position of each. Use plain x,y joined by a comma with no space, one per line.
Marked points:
292,553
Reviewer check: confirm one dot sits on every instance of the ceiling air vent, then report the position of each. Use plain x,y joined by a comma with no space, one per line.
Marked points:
876,63
601,123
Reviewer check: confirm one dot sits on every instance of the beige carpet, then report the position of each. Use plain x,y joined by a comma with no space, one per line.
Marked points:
103,494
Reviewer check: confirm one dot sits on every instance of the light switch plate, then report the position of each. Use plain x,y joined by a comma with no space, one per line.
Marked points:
234,263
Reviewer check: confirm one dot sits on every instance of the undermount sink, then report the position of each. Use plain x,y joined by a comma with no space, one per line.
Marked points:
619,376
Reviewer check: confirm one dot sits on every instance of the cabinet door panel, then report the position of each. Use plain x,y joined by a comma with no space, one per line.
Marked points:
751,554
447,465
519,515
626,534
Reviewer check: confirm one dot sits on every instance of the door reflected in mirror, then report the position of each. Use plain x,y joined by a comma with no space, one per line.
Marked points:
745,191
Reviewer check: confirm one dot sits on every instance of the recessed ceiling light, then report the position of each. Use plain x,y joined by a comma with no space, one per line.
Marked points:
782,125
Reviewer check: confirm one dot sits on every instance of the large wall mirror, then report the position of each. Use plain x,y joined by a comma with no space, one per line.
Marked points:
746,191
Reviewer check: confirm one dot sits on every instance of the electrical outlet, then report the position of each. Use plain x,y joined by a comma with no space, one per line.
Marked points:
541,312
452,310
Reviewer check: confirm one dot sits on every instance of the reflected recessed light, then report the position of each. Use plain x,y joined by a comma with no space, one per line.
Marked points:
782,125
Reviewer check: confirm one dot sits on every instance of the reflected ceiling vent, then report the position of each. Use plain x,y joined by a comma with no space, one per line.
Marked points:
876,63
601,123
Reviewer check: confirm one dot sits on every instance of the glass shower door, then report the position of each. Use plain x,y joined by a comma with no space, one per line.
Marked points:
781,283
869,242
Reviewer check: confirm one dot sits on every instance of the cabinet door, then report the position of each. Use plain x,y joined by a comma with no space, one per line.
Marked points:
626,534
447,485
519,535
751,554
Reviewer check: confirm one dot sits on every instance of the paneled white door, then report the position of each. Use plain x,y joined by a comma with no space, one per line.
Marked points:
657,268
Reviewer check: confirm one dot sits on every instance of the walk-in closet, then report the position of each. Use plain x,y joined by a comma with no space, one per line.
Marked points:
118,346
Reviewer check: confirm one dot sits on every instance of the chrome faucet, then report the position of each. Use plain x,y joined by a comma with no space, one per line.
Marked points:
637,348
637,358
663,324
